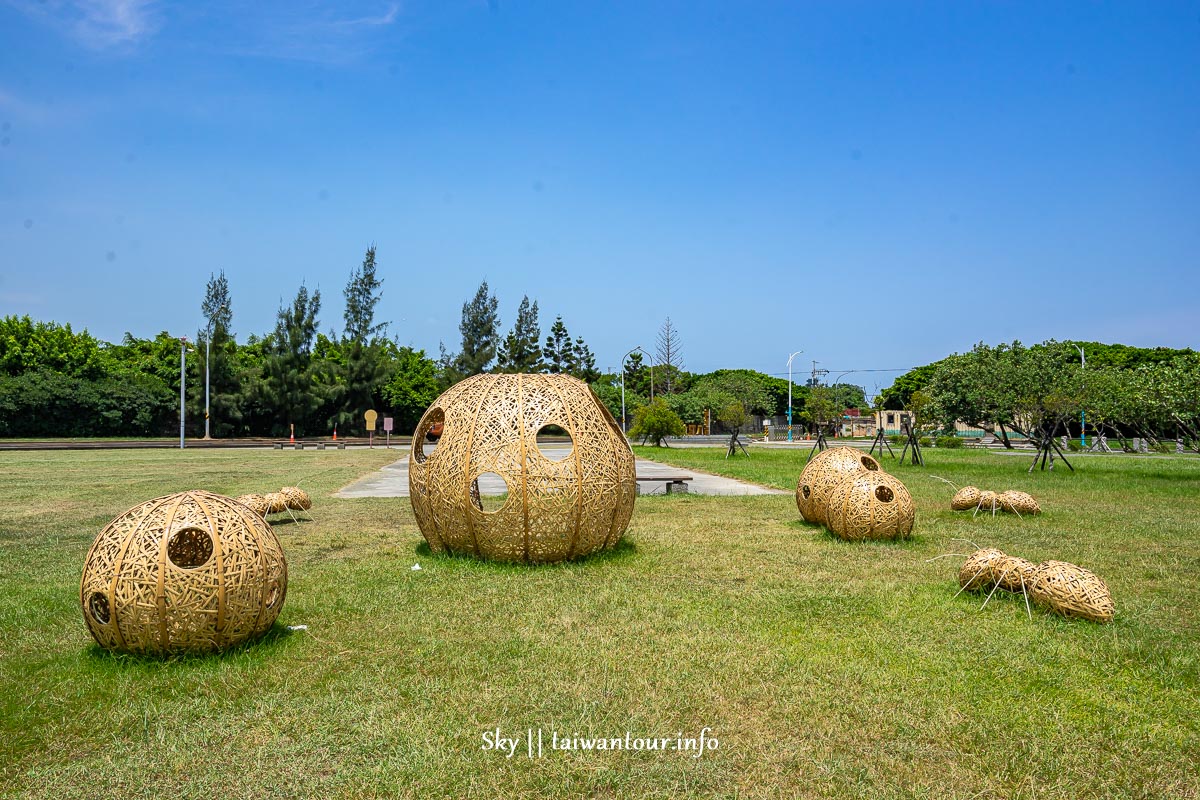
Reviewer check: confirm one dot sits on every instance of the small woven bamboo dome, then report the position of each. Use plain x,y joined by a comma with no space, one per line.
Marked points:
296,498
1018,503
1072,591
255,502
276,502
871,505
189,572
965,499
978,571
822,474
1014,574
555,509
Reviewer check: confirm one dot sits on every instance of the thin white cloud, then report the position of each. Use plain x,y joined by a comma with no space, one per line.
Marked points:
385,19
109,23
98,24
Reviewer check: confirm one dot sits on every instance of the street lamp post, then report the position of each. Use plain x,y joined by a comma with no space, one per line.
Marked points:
182,384
1082,412
207,358
789,365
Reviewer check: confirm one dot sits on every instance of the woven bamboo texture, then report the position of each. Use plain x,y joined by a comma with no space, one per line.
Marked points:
978,571
823,474
966,499
1016,502
1014,574
189,572
871,505
276,502
256,503
296,498
555,509
1072,591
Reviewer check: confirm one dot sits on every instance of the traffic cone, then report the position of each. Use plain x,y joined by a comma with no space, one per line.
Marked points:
292,433
335,433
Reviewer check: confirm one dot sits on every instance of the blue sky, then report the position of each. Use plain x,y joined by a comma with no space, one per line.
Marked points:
876,184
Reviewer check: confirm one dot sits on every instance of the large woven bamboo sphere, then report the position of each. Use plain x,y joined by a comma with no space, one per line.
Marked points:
558,505
1072,591
870,505
189,572
822,474
966,498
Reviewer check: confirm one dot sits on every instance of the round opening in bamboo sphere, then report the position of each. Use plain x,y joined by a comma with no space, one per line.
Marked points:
296,498
870,505
255,502
1072,591
822,474
965,499
190,572
978,571
1016,502
565,502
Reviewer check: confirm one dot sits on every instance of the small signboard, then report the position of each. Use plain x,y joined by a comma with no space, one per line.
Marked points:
387,424
371,416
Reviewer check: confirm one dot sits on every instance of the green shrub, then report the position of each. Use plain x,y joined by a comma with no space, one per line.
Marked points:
925,441
654,422
951,442
895,438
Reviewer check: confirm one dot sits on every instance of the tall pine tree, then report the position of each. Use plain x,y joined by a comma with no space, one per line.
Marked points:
559,350
217,349
364,368
480,329
291,385
585,362
521,350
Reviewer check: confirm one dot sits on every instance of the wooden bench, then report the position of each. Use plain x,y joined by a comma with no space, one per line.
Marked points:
675,484
300,445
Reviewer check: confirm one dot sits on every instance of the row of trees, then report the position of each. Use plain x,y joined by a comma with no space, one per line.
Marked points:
57,382
1043,390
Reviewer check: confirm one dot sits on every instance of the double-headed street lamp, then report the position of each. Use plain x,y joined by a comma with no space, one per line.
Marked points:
789,365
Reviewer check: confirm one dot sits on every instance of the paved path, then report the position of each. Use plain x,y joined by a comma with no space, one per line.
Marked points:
392,481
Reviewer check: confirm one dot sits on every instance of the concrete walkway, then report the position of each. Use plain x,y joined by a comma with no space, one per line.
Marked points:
392,480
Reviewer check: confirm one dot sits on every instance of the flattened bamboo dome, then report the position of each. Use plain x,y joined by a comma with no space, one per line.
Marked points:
558,505
189,572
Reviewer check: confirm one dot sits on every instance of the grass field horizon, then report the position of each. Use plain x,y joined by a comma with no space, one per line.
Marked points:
824,669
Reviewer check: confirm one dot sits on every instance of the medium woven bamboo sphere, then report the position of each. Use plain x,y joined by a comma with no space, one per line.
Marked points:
1016,502
1014,574
1072,591
978,571
822,474
276,502
296,498
965,499
871,505
255,502
559,505
189,572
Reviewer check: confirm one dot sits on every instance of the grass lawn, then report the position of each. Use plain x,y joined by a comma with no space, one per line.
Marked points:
824,669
